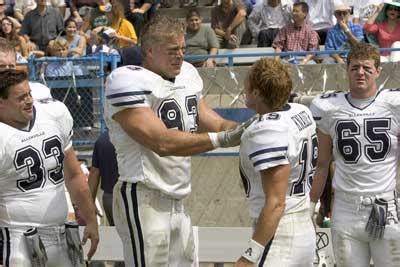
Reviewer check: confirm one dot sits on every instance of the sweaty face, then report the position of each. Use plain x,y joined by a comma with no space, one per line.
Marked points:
362,76
250,96
17,108
166,59
7,60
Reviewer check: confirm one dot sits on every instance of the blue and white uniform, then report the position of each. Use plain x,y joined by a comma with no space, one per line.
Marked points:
365,150
32,183
148,209
286,137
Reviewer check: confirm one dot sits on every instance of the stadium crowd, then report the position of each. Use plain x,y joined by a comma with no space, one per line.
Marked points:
44,27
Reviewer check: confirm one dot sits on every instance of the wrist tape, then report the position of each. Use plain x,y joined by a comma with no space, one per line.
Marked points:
214,139
253,251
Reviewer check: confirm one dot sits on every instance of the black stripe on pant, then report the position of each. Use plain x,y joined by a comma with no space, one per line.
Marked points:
131,198
5,245
265,253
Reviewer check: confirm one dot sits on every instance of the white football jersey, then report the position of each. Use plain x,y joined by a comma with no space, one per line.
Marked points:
364,140
280,138
31,171
174,102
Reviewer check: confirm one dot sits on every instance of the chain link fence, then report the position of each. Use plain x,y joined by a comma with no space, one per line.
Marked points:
79,84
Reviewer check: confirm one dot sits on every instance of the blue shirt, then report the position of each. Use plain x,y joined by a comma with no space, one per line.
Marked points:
336,39
105,159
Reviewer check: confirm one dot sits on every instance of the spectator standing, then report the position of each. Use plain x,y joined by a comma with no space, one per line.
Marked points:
320,17
267,18
228,20
124,33
343,35
297,36
200,40
104,171
17,41
386,29
42,24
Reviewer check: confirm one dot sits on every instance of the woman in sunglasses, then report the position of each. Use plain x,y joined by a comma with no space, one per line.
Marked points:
385,26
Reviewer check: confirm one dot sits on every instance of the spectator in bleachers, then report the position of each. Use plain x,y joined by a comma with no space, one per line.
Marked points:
267,19
320,17
386,29
138,12
42,24
228,20
297,36
364,9
9,7
17,41
200,40
3,14
22,7
343,35
123,33
76,43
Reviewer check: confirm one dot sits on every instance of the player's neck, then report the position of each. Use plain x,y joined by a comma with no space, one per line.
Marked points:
363,94
263,109
16,124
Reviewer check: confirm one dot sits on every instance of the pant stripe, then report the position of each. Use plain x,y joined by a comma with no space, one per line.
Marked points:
128,217
265,253
137,223
6,246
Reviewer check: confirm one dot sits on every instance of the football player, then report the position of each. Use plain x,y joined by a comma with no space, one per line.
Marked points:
277,158
35,152
153,113
360,130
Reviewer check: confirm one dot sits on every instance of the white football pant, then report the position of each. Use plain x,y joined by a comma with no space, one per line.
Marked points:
293,243
352,245
16,253
153,227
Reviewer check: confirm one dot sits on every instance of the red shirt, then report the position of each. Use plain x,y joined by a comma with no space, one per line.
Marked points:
385,38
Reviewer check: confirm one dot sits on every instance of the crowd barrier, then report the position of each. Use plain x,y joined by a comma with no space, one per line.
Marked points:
79,83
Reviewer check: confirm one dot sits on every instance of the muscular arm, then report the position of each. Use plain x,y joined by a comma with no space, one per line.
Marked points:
210,121
323,163
275,183
78,188
142,125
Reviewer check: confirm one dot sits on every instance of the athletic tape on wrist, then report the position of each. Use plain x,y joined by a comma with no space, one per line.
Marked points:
214,139
312,208
253,251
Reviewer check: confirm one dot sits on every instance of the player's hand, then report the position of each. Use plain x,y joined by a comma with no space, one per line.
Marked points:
242,262
231,137
91,232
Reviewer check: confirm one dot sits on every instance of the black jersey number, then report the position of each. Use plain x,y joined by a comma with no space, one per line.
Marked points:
375,132
170,113
308,162
31,159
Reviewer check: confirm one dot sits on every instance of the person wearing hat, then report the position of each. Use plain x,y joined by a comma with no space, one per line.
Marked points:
385,26
343,35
